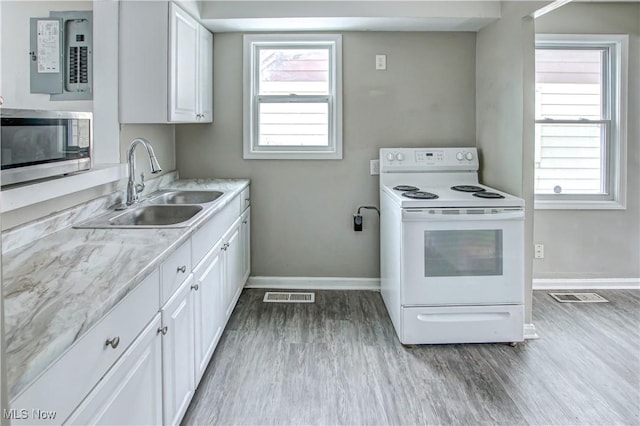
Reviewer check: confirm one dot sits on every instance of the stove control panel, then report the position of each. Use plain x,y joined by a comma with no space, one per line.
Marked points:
428,159
429,156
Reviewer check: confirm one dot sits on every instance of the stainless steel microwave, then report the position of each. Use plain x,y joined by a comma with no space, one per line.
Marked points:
42,144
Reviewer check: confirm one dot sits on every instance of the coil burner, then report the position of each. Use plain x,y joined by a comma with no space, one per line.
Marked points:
420,195
467,188
486,194
406,188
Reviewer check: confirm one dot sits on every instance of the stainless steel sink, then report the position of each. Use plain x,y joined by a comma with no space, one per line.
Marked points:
156,215
163,209
147,216
185,197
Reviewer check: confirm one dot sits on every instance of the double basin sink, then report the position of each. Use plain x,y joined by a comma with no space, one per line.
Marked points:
163,209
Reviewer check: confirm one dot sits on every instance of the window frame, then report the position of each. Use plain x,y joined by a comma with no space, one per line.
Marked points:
614,119
251,99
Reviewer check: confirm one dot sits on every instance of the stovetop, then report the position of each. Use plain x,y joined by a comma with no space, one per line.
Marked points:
424,178
449,198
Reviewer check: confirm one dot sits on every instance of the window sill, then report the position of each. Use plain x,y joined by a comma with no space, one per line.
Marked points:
578,205
292,155
28,194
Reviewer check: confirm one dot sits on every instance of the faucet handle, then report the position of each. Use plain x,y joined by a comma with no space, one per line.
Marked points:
140,186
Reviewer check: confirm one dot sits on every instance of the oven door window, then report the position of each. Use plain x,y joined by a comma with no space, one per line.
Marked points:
463,253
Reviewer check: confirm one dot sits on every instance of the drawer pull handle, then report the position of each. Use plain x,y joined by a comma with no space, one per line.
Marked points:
182,268
163,330
113,342
195,287
244,221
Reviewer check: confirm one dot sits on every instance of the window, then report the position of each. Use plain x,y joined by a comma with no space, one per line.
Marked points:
292,96
580,140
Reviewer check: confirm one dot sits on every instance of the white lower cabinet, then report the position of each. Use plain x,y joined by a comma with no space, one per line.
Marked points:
131,393
245,241
90,359
208,319
142,362
232,258
203,305
178,381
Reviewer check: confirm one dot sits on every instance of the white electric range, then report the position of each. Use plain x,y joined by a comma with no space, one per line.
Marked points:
451,249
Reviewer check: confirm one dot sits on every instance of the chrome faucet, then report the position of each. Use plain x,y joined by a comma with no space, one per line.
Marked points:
133,188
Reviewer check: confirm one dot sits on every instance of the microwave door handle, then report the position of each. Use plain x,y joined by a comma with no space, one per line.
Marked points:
424,215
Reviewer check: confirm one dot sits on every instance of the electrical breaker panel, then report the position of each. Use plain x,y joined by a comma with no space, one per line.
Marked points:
62,55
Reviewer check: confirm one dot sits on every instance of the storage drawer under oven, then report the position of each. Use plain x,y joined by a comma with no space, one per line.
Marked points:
462,324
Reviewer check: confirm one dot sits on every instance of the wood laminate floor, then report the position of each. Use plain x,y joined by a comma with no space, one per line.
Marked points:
338,361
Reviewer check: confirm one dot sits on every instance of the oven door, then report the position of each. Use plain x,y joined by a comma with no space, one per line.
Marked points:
462,256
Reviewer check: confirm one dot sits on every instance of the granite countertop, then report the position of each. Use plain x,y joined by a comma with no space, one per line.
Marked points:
57,287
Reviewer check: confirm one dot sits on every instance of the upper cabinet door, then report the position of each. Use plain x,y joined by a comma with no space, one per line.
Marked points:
205,76
165,65
183,63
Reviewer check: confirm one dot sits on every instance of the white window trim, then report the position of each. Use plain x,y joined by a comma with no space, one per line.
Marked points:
618,199
250,148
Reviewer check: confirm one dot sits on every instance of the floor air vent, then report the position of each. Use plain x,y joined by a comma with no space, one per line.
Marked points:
282,297
578,297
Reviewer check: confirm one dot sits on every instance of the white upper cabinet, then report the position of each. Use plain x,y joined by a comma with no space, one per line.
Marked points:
205,75
183,63
165,65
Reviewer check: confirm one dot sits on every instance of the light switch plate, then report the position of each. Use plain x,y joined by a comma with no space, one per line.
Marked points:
381,62
374,167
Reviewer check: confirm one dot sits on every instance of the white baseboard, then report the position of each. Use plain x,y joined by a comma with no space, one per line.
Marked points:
586,283
314,283
530,332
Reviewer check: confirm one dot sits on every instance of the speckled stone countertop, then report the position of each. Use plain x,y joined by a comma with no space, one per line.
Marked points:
57,287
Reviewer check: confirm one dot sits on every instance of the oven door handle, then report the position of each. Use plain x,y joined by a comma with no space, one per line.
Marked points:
409,215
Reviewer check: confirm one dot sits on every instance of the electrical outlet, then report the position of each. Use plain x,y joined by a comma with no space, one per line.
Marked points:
357,222
381,62
374,167
538,251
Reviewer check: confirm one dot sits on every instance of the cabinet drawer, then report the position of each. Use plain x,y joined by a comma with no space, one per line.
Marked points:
245,199
86,362
131,392
204,239
174,271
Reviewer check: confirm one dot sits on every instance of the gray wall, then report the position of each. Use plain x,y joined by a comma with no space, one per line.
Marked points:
597,243
504,115
302,210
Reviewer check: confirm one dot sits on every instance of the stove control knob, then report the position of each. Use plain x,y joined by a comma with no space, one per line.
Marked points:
399,156
390,156
469,156
459,156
